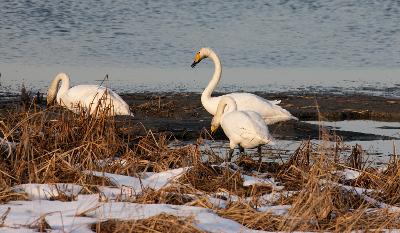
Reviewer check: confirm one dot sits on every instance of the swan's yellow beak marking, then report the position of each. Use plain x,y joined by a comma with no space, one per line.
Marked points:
213,129
197,58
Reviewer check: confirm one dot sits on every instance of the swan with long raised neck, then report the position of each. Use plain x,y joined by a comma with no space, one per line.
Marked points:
245,129
270,111
89,98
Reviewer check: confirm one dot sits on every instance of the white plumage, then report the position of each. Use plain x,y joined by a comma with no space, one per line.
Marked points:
243,128
85,97
270,111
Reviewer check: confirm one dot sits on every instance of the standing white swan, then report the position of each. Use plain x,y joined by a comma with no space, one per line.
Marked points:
270,111
245,129
86,97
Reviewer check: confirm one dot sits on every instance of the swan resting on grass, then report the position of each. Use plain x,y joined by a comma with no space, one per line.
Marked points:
244,128
88,98
270,111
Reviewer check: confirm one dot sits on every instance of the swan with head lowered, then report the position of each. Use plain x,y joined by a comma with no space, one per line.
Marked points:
270,111
245,129
88,98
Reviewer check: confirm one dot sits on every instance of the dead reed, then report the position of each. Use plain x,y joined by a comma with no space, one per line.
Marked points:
158,223
58,146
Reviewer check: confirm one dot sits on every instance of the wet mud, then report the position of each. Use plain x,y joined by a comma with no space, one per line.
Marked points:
183,116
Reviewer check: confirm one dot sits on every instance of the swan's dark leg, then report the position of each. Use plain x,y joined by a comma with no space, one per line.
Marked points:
259,154
241,149
230,154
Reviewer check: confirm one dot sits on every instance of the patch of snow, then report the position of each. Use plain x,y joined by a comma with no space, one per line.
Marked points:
275,210
154,181
251,180
46,191
217,202
270,198
348,174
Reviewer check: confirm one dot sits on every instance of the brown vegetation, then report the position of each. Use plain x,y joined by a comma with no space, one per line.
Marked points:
55,145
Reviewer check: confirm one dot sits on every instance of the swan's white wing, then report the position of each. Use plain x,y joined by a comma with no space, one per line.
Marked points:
248,130
88,96
269,110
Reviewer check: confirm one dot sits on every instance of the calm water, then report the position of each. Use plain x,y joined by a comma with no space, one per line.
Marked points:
136,40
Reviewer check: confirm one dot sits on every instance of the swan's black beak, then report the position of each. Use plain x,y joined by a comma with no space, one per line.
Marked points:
194,64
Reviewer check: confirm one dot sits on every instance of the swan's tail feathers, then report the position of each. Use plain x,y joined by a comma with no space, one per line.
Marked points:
294,118
269,140
275,102
276,119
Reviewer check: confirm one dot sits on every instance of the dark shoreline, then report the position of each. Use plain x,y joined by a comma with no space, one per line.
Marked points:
182,114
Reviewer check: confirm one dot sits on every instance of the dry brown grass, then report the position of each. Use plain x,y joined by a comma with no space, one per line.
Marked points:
251,218
158,223
156,106
55,145
170,195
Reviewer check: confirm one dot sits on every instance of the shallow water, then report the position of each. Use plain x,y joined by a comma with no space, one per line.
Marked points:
376,153
284,44
379,82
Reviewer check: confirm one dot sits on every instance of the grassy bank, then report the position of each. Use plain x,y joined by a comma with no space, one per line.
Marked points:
316,189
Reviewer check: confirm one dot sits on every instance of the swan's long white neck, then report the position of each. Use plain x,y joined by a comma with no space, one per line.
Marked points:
206,95
53,93
226,105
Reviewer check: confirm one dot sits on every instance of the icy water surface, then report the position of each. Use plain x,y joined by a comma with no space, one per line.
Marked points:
280,44
376,153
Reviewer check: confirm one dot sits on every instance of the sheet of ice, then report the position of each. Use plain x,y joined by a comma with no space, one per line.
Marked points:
204,218
17,230
275,210
155,181
251,180
391,129
270,198
161,179
121,193
59,215
119,180
46,191
217,202
348,174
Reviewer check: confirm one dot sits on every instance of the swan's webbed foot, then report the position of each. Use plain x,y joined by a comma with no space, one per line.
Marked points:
241,149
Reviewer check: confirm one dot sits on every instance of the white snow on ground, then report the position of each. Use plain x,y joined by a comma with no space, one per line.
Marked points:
276,210
46,191
75,216
348,174
154,181
84,210
251,180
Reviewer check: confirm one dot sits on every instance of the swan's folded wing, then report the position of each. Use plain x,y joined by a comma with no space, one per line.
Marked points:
246,126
